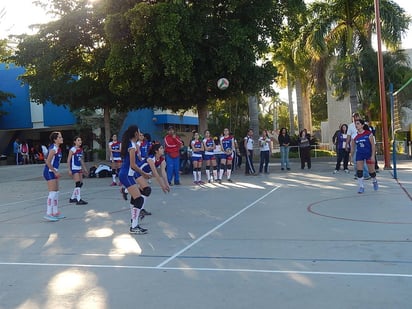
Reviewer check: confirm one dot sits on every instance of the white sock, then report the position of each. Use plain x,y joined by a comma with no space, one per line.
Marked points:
49,209
208,174
194,175
221,173
55,202
199,176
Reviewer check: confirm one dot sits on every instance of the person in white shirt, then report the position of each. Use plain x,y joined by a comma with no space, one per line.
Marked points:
265,145
248,141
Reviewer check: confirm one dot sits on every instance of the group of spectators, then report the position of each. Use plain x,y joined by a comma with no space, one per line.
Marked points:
25,153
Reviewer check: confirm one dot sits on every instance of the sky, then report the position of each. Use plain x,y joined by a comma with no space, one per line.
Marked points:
17,15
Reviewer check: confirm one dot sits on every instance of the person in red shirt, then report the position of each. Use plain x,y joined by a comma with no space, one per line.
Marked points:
172,153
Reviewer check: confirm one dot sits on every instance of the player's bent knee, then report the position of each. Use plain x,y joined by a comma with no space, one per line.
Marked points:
138,202
146,191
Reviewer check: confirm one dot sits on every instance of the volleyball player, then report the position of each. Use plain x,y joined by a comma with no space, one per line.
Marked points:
76,167
51,174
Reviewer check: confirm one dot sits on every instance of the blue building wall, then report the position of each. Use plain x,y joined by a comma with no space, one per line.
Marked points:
57,115
18,112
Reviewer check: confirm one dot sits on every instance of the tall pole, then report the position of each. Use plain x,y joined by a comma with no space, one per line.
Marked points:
382,94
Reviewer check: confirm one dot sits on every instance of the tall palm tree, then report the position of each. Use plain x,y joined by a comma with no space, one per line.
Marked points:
343,28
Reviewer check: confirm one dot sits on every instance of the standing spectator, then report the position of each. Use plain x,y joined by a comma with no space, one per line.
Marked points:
52,175
172,149
248,142
365,151
304,148
341,149
284,143
264,143
16,150
115,148
352,132
76,166
184,159
24,150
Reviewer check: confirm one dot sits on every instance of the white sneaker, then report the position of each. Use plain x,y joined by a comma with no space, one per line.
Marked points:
347,171
336,172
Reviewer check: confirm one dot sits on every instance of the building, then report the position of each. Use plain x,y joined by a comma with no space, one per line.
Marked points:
34,122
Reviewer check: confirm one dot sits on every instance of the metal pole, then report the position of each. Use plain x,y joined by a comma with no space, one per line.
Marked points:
382,94
395,175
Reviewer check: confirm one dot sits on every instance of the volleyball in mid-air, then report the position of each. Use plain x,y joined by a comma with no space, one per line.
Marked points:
222,83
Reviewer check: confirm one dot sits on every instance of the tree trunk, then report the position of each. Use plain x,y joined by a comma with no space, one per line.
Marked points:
254,119
299,103
202,116
291,113
107,131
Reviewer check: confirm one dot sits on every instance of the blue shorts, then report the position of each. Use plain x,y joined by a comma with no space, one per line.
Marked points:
363,156
208,157
48,175
126,180
76,171
227,157
197,159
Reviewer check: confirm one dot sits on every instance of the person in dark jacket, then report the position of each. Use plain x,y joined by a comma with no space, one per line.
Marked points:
341,149
284,143
304,148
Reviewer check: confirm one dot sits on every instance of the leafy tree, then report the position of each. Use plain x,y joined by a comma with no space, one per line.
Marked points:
65,61
169,54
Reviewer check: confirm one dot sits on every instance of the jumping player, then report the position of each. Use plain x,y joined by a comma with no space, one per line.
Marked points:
197,158
76,168
365,150
209,156
126,177
51,174
115,157
227,142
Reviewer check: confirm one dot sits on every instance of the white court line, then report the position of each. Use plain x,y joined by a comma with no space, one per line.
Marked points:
263,271
215,228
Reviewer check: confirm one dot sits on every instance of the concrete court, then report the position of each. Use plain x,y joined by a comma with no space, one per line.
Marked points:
295,239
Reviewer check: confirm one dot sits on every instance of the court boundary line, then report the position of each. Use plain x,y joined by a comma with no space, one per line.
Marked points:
206,269
215,228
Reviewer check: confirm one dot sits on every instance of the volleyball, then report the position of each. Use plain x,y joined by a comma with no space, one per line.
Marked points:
222,83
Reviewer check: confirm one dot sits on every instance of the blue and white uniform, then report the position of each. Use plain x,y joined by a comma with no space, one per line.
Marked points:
55,162
76,160
115,155
144,148
363,146
145,166
227,147
209,155
126,174
196,155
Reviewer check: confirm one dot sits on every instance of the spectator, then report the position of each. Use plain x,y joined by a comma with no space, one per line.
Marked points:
284,144
304,148
341,149
264,144
16,150
172,150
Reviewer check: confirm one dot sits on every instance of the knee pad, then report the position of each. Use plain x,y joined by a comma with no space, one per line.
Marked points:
78,184
214,168
146,191
113,172
138,202
359,173
207,167
373,175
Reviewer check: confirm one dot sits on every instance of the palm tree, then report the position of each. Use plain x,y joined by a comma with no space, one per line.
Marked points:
343,28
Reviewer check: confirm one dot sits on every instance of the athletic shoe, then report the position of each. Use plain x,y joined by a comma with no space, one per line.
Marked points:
209,181
336,172
288,168
367,178
177,183
282,169
137,230
124,193
196,182
375,185
347,171
113,184
145,212
59,216
200,182
81,202
219,181
72,200
361,190
230,180
50,218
